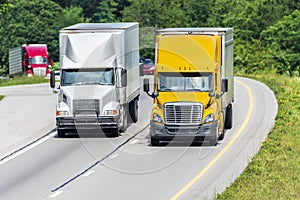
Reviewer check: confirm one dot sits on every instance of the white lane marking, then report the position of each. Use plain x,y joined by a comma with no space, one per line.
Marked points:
134,141
55,194
87,173
27,148
113,156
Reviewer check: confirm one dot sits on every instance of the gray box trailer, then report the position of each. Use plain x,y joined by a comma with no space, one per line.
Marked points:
15,61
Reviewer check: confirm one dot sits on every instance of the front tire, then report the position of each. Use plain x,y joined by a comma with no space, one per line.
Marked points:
228,117
61,133
124,118
154,141
222,136
114,132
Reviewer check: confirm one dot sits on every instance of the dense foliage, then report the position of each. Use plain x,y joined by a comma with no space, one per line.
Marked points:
4,6
29,22
266,32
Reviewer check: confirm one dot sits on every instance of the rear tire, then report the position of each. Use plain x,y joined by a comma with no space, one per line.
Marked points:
133,110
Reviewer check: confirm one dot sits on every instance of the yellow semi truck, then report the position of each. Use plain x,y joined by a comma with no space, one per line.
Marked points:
193,85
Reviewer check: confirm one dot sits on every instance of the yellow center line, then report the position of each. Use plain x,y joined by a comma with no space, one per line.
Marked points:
224,150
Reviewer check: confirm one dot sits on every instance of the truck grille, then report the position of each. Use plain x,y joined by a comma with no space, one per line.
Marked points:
183,113
86,106
39,71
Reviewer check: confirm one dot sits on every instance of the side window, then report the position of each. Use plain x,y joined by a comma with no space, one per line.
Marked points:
216,82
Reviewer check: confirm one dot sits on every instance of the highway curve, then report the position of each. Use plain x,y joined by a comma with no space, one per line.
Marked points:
93,166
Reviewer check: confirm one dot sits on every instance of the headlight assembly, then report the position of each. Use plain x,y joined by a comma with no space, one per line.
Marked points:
209,118
110,112
62,113
157,118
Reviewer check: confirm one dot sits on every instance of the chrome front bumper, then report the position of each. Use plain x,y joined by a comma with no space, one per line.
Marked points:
202,132
71,123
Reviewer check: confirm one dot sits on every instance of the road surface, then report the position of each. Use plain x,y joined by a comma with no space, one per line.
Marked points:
93,166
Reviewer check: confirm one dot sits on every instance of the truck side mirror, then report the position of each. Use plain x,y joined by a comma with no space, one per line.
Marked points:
141,68
224,85
124,78
146,85
52,79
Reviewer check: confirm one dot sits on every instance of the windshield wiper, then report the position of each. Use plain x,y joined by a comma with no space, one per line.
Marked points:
197,90
78,83
85,83
90,83
165,89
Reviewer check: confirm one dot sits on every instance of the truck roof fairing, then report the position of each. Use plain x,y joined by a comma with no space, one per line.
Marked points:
89,50
100,26
197,31
36,50
105,63
187,53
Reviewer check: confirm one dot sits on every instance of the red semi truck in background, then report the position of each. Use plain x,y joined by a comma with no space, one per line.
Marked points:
31,59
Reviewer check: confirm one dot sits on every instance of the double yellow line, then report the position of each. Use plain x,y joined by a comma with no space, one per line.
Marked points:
224,150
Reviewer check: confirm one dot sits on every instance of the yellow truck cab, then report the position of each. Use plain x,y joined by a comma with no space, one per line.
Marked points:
193,84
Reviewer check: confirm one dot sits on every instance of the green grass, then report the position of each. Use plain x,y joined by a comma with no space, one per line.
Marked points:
22,80
274,172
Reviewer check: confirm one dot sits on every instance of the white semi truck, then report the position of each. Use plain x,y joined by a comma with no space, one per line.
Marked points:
99,86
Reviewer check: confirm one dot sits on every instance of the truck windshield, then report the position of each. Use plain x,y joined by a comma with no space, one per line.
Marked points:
181,82
38,60
87,77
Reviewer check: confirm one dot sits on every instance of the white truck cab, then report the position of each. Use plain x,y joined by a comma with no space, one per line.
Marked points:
99,85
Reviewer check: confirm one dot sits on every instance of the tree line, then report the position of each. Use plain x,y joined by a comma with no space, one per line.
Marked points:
266,31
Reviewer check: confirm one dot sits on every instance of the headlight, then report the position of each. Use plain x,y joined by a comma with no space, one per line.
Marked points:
110,112
29,66
62,113
157,118
209,118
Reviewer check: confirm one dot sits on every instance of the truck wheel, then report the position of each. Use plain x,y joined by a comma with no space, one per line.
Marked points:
114,132
221,137
133,110
124,119
228,117
61,133
154,141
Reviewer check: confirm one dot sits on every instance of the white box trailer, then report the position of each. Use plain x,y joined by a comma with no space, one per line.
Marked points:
99,85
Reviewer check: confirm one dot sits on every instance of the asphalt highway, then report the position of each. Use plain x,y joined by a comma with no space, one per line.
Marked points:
92,166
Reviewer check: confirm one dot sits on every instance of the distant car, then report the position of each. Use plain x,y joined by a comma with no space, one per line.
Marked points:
148,66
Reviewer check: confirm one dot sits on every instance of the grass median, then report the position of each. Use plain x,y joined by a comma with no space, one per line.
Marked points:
274,171
23,80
